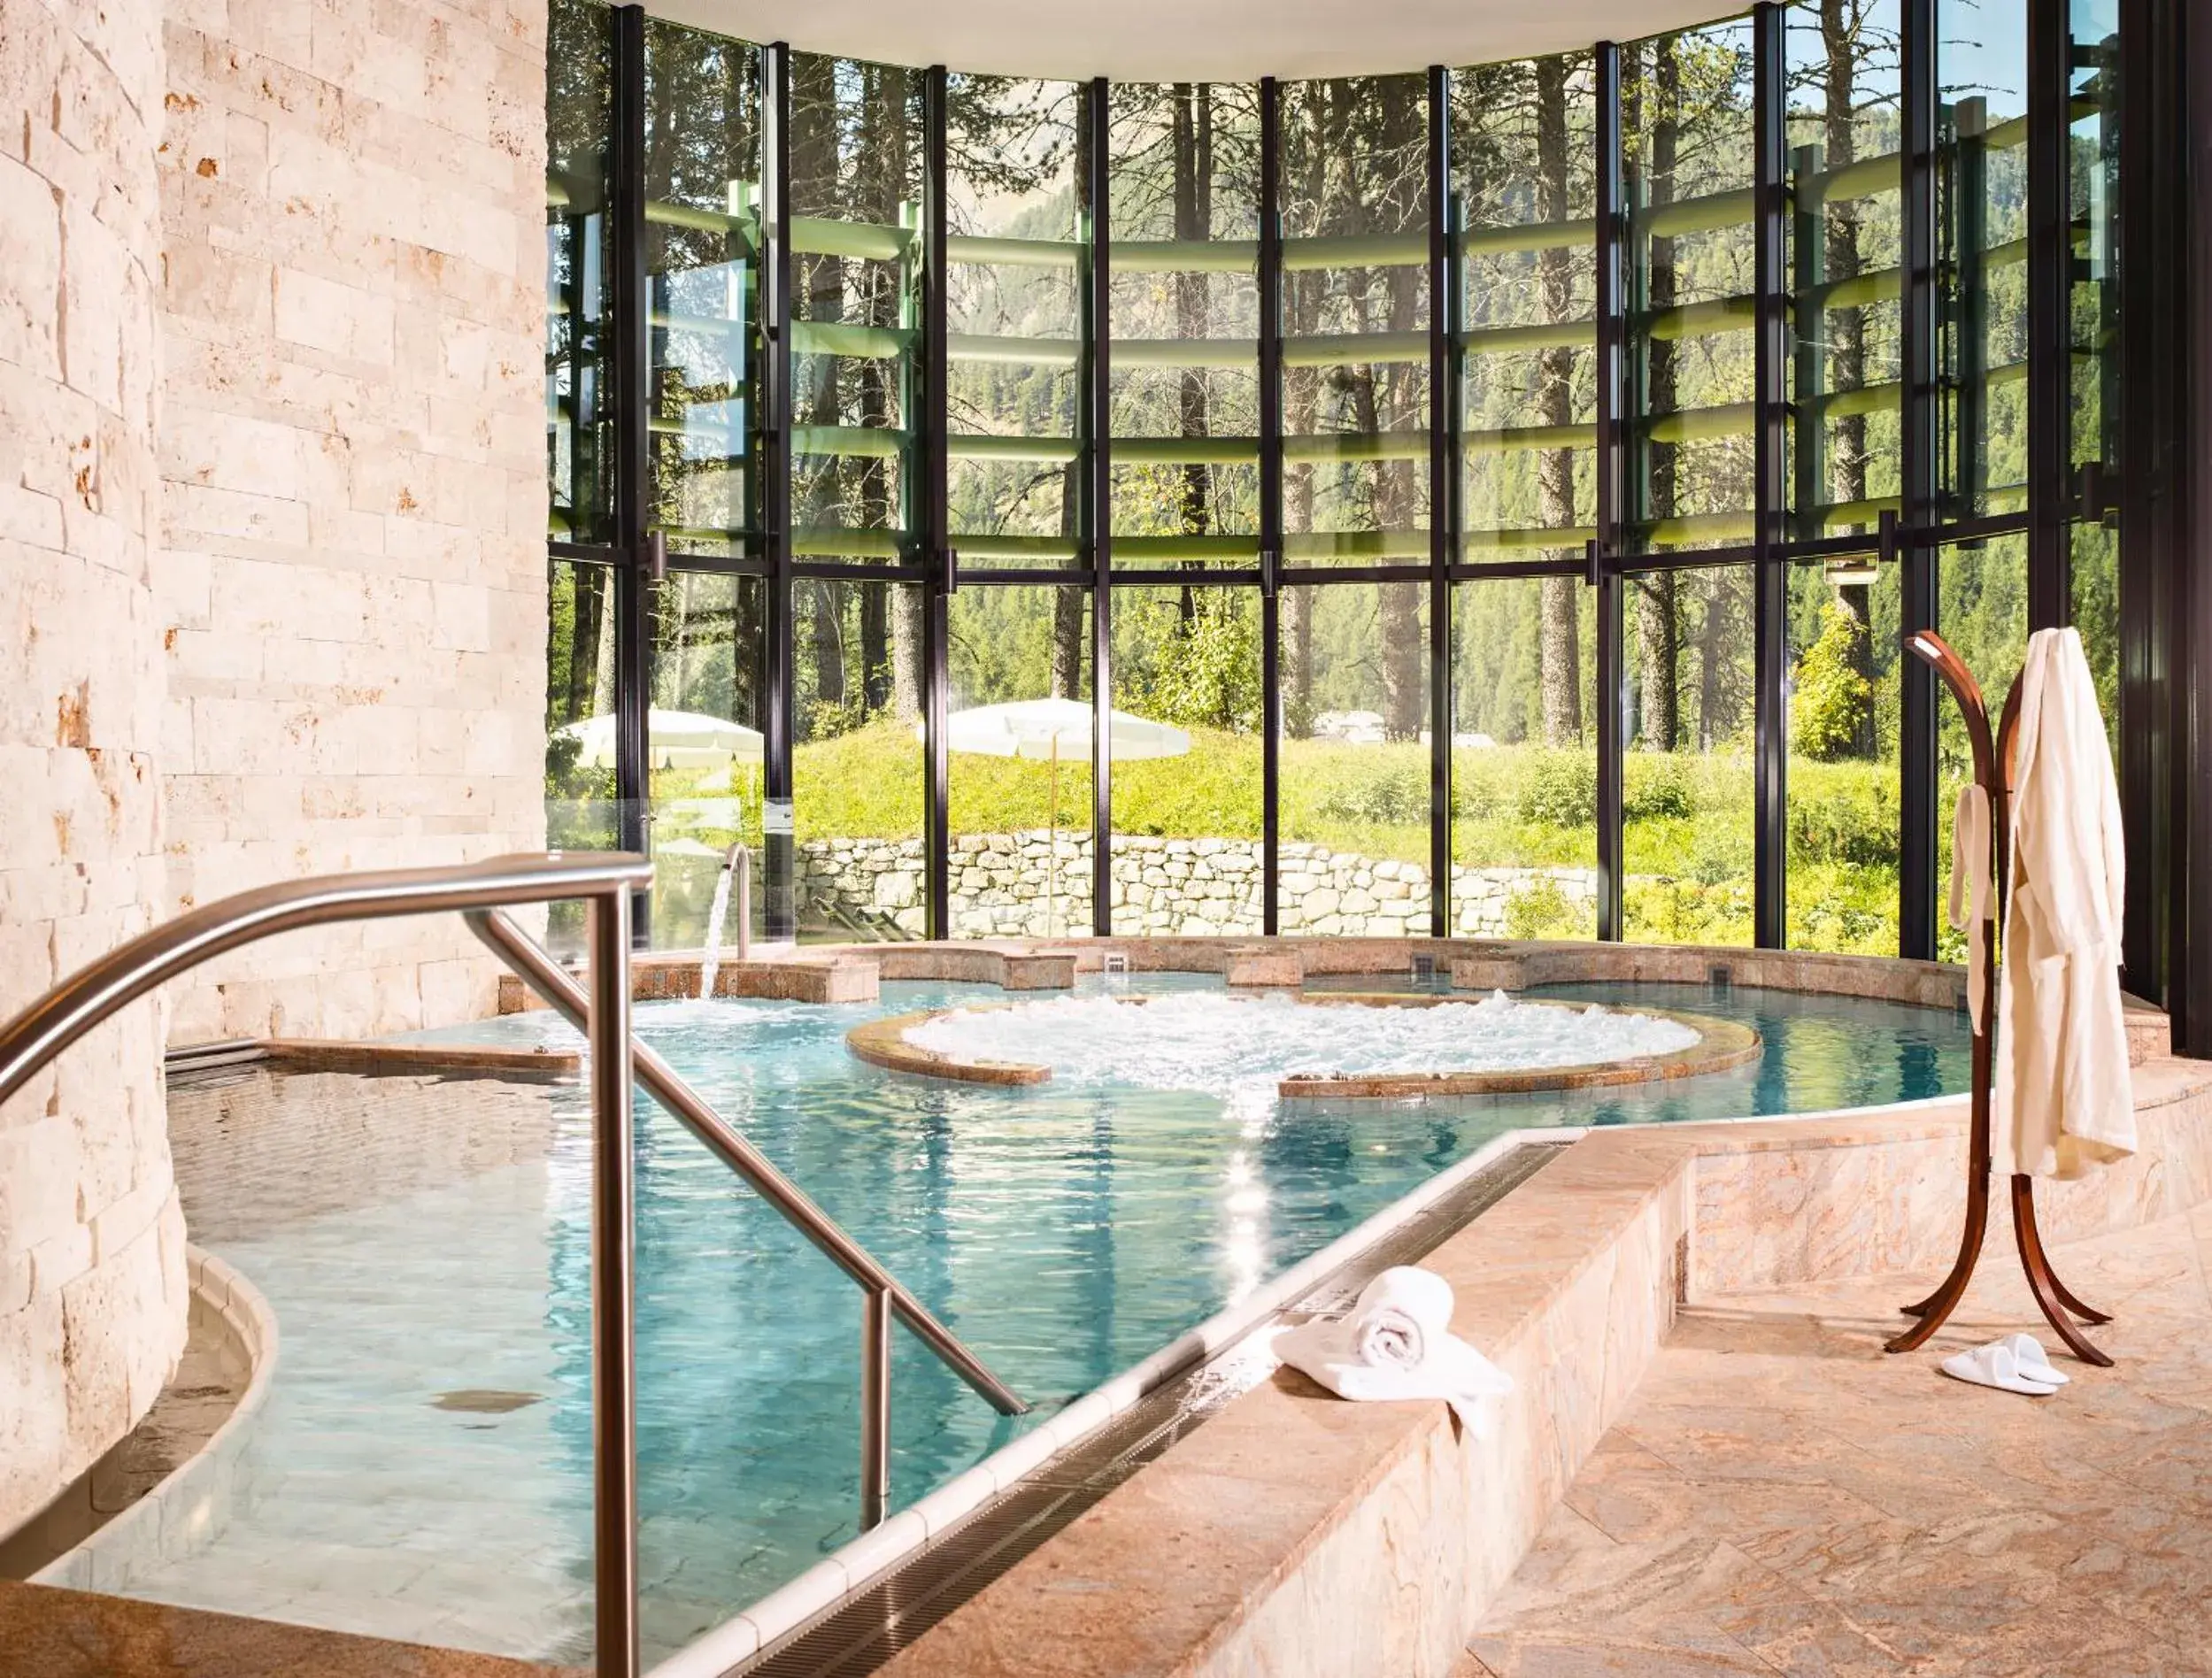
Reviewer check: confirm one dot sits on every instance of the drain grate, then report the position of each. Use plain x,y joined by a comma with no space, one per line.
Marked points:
898,1607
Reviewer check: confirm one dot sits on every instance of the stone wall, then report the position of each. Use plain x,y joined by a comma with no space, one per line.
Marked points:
1192,887
92,1272
352,578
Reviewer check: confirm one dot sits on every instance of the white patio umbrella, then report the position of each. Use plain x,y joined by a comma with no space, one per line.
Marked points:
675,740
1045,731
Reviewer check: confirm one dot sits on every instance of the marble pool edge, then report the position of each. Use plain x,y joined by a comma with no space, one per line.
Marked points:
177,1517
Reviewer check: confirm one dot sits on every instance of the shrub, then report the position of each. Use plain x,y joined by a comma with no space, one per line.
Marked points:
1856,832
826,719
1541,910
1559,789
1386,797
1205,675
1685,911
1833,699
1661,792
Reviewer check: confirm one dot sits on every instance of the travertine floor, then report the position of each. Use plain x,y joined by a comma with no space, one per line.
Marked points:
1785,1498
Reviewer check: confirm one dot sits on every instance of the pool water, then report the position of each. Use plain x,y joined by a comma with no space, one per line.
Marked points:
1066,1231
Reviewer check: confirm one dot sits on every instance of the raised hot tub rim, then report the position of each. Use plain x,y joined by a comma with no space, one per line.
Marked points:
1723,1045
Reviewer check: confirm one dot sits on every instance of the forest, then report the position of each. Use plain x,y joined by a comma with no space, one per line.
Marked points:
1182,212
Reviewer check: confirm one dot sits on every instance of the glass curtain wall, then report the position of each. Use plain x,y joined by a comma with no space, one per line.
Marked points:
2092,186
1687,124
1013,320
1844,788
1183,205
1760,583
1846,172
856,283
705,745
1354,209
1188,827
1019,803
1354,212
1354,802
1982,48
859,641
858,789
1983,614
703,244
1687,814
578,396
582,579
1523,653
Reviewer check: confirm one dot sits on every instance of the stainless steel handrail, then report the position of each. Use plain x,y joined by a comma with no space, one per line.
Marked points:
150,960
739,857
131,969
479,890
540,972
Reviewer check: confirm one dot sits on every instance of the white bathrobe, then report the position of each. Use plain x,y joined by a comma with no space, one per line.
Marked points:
2063,1100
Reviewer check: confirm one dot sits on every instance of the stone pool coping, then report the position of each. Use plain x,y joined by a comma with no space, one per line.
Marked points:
853,972
178,1517
1722,1045
541,1063
48,1632
882,1042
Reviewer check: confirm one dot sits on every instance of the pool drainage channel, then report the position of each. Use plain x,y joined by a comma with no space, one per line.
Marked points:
895,1610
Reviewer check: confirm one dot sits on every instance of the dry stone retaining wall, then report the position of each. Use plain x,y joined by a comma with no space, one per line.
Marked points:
1191,887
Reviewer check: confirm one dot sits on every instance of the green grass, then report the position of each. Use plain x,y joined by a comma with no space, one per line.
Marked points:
1688,839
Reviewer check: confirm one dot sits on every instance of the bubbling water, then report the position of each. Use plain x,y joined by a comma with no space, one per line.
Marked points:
1204,1041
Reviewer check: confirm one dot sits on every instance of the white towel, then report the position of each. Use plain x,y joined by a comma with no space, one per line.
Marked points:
2063,1101
1973,876
1367,1357
1399,1316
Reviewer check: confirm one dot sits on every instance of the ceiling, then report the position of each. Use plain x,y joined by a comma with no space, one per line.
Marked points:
1175,41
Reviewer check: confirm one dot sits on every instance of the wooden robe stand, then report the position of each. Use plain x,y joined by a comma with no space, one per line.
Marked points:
1992,772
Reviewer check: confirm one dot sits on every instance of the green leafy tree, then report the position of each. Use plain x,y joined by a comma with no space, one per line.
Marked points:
1833,694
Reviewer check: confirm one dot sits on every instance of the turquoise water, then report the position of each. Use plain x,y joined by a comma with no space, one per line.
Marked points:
1065,1232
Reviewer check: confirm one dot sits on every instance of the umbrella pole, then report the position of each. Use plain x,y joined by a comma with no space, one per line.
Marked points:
1051,842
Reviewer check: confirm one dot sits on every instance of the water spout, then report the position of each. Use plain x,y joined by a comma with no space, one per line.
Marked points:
737,864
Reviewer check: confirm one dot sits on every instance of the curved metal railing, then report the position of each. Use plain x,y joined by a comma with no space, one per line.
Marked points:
545,975
481,891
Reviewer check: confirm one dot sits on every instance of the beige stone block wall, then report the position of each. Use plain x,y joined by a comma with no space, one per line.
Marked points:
92,1272
352,582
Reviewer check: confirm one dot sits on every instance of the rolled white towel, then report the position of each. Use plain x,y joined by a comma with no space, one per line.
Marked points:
1397,1343
1399,1317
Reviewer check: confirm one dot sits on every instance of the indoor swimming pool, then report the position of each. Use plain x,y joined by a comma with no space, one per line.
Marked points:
423,1464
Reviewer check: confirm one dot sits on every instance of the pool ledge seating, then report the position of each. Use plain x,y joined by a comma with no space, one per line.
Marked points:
1294,1533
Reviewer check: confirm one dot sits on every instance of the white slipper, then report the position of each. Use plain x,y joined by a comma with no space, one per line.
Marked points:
1994,1366
2034,1362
